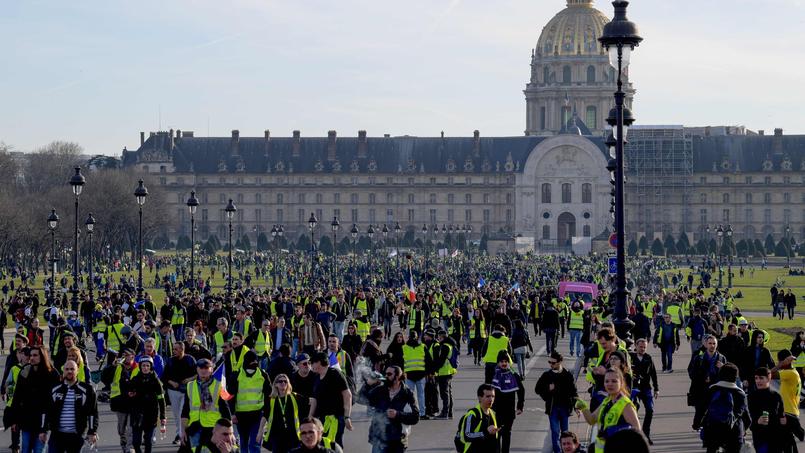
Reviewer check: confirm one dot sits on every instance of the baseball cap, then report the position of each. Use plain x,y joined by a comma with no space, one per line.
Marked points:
203,363
303,357
743,322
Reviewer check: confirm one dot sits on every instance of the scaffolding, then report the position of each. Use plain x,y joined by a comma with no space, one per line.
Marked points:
659,167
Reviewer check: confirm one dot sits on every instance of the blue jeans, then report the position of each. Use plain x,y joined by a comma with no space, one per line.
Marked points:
295,348
249,443
575,342
667,355
761,446
30,442
558,420
338,329
418,387
550,340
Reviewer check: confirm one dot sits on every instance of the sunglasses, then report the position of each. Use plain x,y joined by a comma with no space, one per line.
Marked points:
281,382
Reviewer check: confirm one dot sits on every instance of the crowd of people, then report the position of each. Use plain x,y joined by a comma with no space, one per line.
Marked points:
284,366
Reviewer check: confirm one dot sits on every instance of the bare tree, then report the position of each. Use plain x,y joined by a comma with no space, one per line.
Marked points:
51,166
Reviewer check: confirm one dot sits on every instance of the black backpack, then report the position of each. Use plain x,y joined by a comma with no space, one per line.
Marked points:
458,440
720,411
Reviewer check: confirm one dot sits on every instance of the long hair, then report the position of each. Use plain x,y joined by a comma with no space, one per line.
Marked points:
79,360
44,358
624,391
288,388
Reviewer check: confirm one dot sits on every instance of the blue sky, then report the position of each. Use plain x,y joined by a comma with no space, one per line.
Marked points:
98,72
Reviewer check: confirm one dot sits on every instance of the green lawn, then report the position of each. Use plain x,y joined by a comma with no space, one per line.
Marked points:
753,286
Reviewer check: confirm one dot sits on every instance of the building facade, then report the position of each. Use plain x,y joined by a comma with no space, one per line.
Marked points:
549,186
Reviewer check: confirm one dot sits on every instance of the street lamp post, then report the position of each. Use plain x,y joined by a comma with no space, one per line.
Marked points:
371,233
385,231
230,214
720,235
140,193
280,234
425,245
192,205
729,257
274,243
311,224
787,246
77,182
354,233
397,231
90,224
53,223
334,225
619,38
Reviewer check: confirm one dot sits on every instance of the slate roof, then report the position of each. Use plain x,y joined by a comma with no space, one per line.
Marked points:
748,153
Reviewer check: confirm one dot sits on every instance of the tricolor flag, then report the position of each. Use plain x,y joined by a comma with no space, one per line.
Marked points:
220,376
481,282
515,287
455,253
409,282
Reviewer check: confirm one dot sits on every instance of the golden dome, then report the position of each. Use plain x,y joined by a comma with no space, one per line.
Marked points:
573,31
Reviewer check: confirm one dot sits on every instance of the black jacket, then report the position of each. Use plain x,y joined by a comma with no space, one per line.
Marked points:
86,408
564,391
32,397
384,429
644,373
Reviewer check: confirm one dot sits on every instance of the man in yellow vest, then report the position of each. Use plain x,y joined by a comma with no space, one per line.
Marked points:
260,342
118,377
220,337
442,356
233,360
203,406
249,390
575,327
414,367
497,341
8,391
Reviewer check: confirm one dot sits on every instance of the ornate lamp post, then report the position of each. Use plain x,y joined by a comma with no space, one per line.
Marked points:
280,234
192,205
620,38
230,210
140,193
425,245
90,224
334,225
53,223
77,183
397,231
787,246
728,232
371,233
354,233
385,231
720,235
274,243
311,224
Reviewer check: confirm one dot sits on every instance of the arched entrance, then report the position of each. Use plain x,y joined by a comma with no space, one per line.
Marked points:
566,229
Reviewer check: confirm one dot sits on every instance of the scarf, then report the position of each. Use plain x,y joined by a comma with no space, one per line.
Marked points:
204,394
504,380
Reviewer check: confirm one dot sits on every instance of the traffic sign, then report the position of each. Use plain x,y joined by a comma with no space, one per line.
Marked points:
613,240
613,264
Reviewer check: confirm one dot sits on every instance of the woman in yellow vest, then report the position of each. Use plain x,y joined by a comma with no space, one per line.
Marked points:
281,416
616,412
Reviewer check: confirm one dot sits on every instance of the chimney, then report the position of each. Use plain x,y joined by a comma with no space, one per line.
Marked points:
761,132
234,147
331,138
142,138
777,145
178,133
266,142
267,134
707,131
386,135
170,135
297,143
476,142
363,146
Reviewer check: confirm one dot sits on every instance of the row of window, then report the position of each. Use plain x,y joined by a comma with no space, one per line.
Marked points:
567,75
567,193
749,198
354,198
748,180
748,216
546,231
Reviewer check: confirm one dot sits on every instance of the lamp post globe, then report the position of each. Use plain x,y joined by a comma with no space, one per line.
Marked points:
140,194
77,182
53,223
230,214
90,224
192,205
619,38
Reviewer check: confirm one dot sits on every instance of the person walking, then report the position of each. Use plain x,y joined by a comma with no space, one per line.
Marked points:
666,337
509,398
478,430
180,369
392,408
550,325
703,372
281,417
9,385
249,390
73,413
790,388
575,327
203,406
557,388
332,399
644,378
148,405
615,413
767,413
118,377
312,439
727,413
414,367
32,399
497,341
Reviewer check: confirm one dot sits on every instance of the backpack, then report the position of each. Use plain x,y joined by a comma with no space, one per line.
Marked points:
720,411
454,355
458,440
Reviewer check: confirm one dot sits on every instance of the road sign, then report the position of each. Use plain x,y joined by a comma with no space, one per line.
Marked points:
613,240
613,264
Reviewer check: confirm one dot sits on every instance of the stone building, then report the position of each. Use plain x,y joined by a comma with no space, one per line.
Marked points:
549,185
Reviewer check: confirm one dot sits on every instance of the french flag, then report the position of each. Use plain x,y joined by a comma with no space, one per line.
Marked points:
409,282
220,376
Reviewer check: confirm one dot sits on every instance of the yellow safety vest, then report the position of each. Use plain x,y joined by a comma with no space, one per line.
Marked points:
362,329
262,344
477,411
472,328
590,378
219,342
207,418
235,367
15,372
113,337
576,320
800,361
177,319
611,419
494,346
447,368
116,380
250,391
412,324
414,358
270,421
674,311
362,305
100,325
